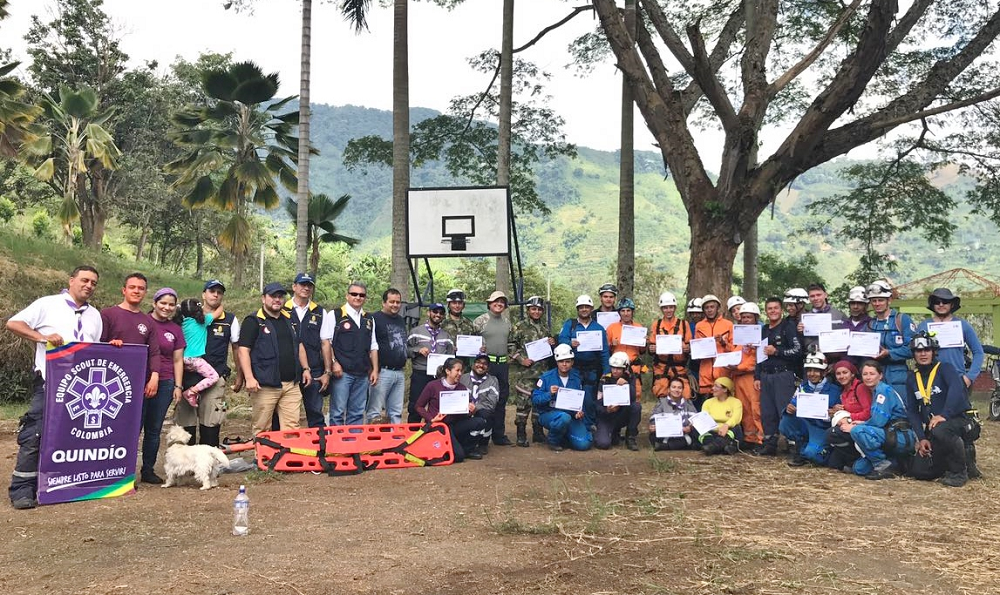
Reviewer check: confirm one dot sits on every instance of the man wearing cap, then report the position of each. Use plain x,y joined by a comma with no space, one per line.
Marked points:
943,304
590,365
938,408
717,327
127,323
775,376
354,349
626,314
308,318
273,362
425,339
205,422
564,426
484,393
693,315
896,329
65,317
390,332
495,329
669,366
607,294
525,371
454,323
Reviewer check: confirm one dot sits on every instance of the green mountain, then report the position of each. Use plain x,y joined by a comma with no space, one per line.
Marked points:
579,238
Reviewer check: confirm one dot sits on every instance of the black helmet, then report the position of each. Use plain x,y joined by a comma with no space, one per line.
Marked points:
943,294
924,340
608,287
535,301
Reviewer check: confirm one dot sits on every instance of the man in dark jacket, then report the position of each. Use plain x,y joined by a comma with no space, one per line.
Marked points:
775,376
937,406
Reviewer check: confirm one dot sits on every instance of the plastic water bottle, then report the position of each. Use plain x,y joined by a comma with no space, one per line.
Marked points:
241,513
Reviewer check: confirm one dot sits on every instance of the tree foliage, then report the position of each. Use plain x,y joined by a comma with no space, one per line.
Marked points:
322,228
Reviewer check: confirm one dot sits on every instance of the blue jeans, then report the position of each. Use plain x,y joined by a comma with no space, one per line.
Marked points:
154,411
388,393
564,427
809,437
350,394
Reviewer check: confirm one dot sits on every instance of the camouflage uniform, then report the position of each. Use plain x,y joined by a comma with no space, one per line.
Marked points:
524,379
462,326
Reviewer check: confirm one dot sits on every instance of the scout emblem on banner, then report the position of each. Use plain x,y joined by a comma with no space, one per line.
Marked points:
93,406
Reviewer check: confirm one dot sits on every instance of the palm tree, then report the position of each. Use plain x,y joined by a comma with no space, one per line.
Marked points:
320,225
626,178
78,144
302,190
17,118
400,143
238,146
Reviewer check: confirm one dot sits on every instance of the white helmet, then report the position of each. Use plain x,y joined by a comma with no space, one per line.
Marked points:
667,299
694,305
584,300
879,289
750,308
857,294
562,351
815,360
796,295
619,360
735,301
710,298
840,416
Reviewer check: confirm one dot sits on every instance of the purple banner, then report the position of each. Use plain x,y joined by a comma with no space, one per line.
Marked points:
93,408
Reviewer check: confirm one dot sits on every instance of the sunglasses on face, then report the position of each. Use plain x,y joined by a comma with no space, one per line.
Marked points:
939,303
356,294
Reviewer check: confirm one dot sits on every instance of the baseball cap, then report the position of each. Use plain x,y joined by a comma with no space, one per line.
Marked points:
214,283
273,288
302,278
436,306
496,295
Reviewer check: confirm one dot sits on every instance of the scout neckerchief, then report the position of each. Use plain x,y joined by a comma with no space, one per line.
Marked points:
433,332
925,390
78,310
475,385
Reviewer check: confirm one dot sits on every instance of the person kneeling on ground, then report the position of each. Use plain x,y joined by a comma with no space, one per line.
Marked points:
727,411
941,416
855,406
809,435
465,428
674,402
484,393
563,425
885,438
612,418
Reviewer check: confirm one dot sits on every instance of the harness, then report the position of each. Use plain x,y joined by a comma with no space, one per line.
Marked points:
672,365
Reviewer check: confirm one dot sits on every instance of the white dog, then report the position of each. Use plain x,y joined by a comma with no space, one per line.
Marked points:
202,461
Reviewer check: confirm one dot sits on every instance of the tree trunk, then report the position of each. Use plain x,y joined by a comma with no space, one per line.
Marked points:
713,251
626,181
400,145
506,105
302,170
140,246
314,259
750,272
239,264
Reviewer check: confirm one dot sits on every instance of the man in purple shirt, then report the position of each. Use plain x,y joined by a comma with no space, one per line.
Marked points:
127,323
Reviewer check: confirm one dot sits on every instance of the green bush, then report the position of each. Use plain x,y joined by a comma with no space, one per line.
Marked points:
7,209
41,225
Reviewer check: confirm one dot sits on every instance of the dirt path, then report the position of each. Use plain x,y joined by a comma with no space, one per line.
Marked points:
523,521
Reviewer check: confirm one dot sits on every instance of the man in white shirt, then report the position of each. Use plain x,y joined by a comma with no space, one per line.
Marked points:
354,356
65,317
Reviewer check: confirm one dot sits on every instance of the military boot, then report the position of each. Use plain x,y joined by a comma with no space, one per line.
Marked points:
522,435
193,432
537,432
970,462
208,435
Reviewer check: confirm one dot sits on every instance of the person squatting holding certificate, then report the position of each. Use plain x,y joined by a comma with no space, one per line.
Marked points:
809,433
465,427
612,418
564,425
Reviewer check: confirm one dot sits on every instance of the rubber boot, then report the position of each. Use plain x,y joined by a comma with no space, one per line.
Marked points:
970,462
209,436
484,446
193,431
768,448
537,432
522,435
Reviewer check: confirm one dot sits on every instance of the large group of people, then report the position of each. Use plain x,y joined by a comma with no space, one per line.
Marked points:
837,387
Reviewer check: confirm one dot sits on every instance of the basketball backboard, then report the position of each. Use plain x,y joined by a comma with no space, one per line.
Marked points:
472,221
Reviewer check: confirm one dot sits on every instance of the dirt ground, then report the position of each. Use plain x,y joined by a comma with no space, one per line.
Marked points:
522,521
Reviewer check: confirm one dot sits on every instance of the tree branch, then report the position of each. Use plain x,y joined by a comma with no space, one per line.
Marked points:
692,93
553,27
668,35
709,83
955,105
658,71
792,73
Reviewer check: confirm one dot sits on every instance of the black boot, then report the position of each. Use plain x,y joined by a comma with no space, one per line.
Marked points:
484,446
970,462
537,432
768,449
522,435
209,436
193,431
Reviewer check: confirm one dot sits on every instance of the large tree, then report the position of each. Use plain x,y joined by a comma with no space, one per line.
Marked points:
238,147
837,76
